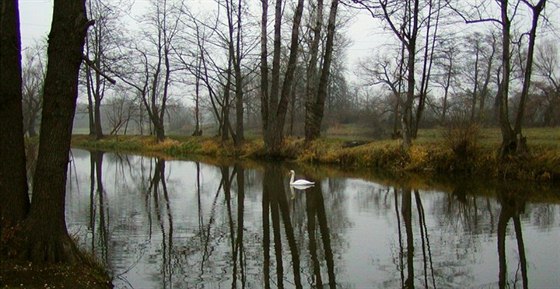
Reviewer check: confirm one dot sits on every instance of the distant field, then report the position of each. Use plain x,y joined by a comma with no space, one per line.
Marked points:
548,137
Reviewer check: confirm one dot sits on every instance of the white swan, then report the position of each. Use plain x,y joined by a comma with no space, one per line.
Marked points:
301,183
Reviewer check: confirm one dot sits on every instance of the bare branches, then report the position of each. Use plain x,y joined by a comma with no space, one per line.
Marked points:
94,67
478,18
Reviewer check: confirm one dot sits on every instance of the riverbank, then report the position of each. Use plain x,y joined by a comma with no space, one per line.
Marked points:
30,276
433,152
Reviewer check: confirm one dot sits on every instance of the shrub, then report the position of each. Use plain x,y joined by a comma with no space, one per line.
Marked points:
462,138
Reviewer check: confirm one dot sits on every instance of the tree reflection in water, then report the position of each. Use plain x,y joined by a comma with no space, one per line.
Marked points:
512,202
176,224
98,209
409,250
159,180
315,208
275,203
276,210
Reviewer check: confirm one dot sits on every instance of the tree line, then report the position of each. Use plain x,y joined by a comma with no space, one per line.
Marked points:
280,66
177,59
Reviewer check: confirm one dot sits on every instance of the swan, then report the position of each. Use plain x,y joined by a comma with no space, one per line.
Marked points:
301,183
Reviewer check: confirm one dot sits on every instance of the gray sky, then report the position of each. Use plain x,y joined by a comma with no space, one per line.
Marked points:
35,18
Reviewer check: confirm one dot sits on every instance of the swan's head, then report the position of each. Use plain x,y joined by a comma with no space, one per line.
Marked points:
292,172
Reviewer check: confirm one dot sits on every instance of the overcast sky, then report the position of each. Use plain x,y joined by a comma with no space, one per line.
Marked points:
365,33
35,18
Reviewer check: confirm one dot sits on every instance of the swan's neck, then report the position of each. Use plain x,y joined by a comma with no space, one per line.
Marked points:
291,178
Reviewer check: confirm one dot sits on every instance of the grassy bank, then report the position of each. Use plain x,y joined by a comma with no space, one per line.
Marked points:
434,151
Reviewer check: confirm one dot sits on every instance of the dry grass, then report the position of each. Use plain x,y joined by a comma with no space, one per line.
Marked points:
434,151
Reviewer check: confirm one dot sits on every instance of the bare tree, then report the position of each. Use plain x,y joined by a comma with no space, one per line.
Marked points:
403,19
386,71
315,105
512,139
547,64
446,62
536,10
312,77
477,62
235,27
431,37
274,99
190,52
119,113
101,39
33,76
148,67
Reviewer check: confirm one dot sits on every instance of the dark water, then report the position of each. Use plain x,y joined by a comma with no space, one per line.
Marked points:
182,224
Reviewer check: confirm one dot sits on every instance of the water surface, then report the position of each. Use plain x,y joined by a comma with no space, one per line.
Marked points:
184,224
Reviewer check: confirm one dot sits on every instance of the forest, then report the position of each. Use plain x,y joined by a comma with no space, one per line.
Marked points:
183,68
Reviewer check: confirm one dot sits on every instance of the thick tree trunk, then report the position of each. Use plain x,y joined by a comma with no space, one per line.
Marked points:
46,237
159,130
14,201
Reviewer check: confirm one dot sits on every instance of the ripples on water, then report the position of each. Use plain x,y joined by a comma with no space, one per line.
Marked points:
182,224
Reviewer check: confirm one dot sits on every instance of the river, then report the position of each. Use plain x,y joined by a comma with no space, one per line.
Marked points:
184,224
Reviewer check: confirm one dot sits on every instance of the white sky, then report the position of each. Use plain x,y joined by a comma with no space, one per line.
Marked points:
36,15
35,20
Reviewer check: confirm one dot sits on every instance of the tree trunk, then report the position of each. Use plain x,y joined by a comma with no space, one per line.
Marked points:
14,200
446,90
487,78
46,237
313,129
508,137
97,114
264,66
427,64
197,130
475,87
276,109
91,113
407,125
239,95
311,87
521,144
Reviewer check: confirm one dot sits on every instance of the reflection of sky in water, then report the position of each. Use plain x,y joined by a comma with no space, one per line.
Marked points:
361,218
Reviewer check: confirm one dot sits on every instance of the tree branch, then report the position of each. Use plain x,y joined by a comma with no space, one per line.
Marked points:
94,67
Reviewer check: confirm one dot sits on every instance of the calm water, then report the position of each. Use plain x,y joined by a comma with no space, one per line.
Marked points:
182,224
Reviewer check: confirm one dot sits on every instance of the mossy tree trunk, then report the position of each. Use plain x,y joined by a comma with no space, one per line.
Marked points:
14,201
45,235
